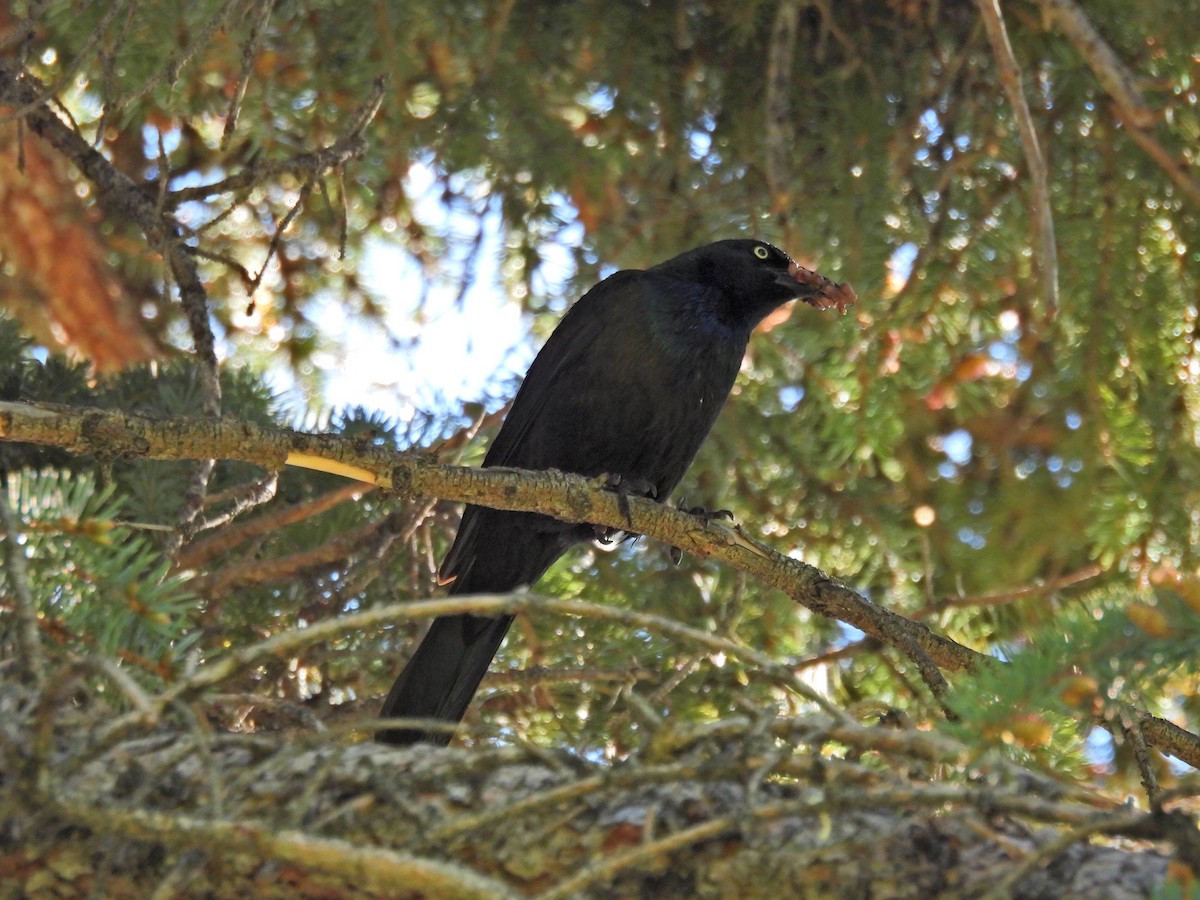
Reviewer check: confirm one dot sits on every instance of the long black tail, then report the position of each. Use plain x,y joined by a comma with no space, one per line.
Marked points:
442,676
494,552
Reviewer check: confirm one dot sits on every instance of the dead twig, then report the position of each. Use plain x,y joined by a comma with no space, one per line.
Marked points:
1043,217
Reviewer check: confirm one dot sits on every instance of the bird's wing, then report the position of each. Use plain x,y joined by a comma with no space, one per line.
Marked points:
578,336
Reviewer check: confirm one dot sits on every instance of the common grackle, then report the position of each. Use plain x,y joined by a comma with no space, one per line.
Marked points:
627,386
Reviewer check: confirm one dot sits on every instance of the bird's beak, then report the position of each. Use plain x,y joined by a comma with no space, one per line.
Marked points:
817,290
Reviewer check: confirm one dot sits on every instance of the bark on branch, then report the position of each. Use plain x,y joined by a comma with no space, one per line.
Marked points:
572,498
740,808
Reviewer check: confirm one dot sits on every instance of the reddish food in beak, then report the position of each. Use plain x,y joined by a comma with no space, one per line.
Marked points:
820,292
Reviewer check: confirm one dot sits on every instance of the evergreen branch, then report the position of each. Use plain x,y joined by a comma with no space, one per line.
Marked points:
367,868
273,519
122,197
259,571
571,498
288,642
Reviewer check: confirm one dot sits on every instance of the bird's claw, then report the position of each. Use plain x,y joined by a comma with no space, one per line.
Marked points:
706,514
627,487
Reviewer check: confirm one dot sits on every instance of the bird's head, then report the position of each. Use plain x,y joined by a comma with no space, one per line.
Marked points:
754,277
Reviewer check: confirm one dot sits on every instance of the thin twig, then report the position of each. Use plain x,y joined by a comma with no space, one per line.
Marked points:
1112,73
608,867
1168,163
249,497
249,50
352,145
337,549
1103,824
367,868
228,261
1133,734
277,237
46,92
1043,217
193,501
1001,598
204,551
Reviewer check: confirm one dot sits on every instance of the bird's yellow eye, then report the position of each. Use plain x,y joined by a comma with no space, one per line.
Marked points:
761,252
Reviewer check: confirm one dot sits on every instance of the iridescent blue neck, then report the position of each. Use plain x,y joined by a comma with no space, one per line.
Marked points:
688,318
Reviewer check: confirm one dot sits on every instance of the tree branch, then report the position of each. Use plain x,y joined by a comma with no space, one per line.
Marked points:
200,552
1043,216
1168,163
361,820
1114,76
571,498
374,869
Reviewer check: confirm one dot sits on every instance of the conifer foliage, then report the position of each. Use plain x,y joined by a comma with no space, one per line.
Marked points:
213,209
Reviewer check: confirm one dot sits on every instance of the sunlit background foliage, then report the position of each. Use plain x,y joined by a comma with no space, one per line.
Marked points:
1023,482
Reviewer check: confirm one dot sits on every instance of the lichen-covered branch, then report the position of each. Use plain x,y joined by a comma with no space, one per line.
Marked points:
734,810
568,497
571,498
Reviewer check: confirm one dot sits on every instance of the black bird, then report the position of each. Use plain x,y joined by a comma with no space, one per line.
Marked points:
627,386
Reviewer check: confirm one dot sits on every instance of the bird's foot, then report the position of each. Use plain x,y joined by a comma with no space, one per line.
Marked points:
630,487
706,514
604,534
608,536
624,488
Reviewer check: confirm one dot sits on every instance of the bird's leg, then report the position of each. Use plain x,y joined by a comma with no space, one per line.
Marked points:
624,488
630,487
703,513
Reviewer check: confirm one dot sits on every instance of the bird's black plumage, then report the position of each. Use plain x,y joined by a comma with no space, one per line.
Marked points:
628,385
